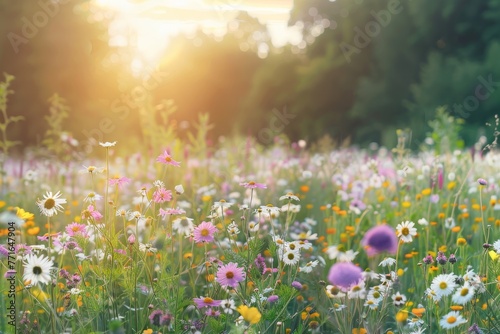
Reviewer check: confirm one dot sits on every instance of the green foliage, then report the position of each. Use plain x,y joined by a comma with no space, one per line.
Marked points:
5,144
446,132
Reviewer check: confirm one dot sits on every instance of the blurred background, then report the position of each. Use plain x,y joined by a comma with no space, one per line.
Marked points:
355,70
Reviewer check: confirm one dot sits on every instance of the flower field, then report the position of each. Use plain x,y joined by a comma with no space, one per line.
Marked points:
184,237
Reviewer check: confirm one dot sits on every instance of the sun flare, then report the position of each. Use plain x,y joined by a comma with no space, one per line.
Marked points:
145,27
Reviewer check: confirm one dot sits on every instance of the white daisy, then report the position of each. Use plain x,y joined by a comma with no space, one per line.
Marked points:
496,246
333,291
423,222
357,291
51,204
253,226
290,257
451,320
107,144
37,269
406,231
444,284
228,306
309,266
232,229
398,299
371,303
463,295
387,262
147,248
289,196
304,236
339,253
183,225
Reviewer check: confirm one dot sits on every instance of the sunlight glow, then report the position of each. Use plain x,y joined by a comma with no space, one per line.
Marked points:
145,27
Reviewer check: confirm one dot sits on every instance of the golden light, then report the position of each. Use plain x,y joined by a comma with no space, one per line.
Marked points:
145,27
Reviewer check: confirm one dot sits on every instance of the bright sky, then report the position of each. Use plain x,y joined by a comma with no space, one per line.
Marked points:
149,24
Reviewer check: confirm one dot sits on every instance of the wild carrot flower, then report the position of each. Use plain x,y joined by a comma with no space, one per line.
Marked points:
166,159
204,232
230,275
37,269
253,185
344,275
380,239
50,205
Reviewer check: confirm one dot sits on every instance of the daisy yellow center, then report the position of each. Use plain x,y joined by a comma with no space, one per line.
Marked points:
356,288
75,229
91,169
204,233
451,319
398,298
341,248
405,231
334,290
208,300
292,246
229,275
443,285
376,294
49,203
37,270
464,292
291,256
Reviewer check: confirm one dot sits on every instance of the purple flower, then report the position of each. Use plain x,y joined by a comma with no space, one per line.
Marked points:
4,251
260,263
482,182
344,275
253,185
206,302
452,259
272,299
230,275
204,232
297,285
434,198
10,273
441,258
428,259
380,239
154,317
474,329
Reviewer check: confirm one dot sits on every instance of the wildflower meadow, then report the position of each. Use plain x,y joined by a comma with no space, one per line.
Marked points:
175,234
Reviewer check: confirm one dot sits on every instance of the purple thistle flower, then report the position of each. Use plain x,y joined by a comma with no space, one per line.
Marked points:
154,317
452,259
272,299
297,285
380,239
165,319
474,329
482,182
260,263
441,258
428,259
344,275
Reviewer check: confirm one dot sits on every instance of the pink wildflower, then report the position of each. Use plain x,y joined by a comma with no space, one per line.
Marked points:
166,159
230,275
119,181
253,185
204,232
162,195
206,302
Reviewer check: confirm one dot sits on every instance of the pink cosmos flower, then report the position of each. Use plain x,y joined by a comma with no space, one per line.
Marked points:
230,275
74,229
253,185
119,181
166,159
170,211
206,302
204,232
91,212
162,195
